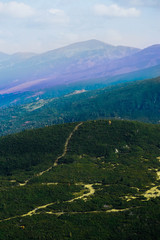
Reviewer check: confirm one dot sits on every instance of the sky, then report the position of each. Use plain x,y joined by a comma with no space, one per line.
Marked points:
42,25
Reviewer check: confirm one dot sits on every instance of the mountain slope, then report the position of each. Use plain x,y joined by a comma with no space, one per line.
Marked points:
76,63
101,82
8,61
141,60
21,98
64,65
102,182
147,73
145,58
137,101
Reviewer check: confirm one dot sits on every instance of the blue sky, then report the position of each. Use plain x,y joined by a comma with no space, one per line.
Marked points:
41,25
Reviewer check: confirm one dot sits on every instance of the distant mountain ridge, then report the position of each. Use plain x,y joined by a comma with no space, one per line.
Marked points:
18,55
7,61
60,66
92,64
110,51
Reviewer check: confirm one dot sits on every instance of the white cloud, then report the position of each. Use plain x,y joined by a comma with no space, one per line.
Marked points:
56,16
15,9
56,12
47,18
115,11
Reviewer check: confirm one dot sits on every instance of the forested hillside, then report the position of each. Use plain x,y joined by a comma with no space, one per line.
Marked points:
86,180
135,101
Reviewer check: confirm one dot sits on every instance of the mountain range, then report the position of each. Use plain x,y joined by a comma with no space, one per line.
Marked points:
86,65
74,63
97,175
56,67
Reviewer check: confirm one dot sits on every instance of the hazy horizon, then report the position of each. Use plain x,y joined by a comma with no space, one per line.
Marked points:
40,26
72,43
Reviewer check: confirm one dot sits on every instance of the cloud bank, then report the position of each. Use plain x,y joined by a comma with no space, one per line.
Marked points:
16,10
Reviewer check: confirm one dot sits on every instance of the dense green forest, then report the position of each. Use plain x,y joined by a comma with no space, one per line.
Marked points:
135,101
85,180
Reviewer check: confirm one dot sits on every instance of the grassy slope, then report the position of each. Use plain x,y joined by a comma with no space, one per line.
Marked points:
119,158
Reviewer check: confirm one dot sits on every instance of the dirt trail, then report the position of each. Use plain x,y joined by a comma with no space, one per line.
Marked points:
89,212
88,186
34,211
83,196
56,161
151,193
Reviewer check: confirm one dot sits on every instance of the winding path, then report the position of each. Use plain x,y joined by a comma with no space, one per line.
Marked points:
89,186
56,161
148,194
34,211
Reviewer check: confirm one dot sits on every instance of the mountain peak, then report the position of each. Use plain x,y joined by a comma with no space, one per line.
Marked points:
95,42
88,45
